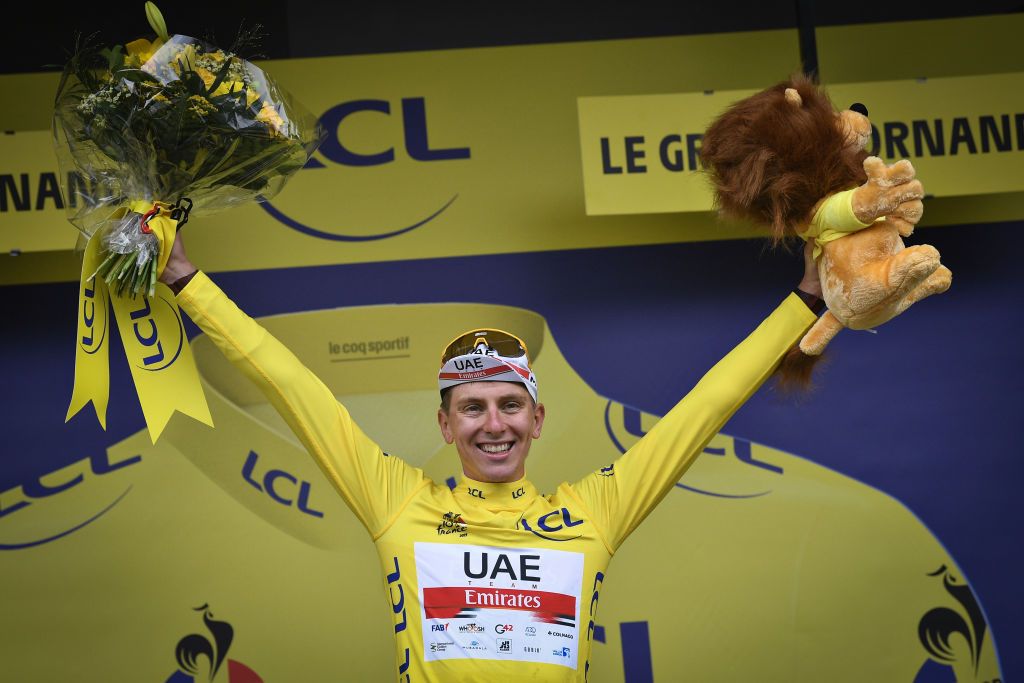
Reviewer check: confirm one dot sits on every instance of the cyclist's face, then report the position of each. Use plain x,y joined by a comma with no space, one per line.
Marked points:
492,425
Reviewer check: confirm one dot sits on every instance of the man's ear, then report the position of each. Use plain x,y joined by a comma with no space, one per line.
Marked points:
446,430
538,420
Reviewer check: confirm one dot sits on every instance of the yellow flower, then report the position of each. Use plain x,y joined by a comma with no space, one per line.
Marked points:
187,56
208,78
225,86
200,106
269,116
140,51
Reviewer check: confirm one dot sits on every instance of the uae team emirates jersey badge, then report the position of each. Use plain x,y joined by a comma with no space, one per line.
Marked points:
485,602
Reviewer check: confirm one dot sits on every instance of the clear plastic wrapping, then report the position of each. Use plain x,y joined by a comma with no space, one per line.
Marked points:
163,121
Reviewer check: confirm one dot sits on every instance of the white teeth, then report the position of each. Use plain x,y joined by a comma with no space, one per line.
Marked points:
495,447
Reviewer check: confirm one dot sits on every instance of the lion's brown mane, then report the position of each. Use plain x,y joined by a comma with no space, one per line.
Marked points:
771,162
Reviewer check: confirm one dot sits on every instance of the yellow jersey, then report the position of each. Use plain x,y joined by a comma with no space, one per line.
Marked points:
491,581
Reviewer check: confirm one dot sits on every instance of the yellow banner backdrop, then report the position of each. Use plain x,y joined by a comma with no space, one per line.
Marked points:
434,154
477,151
31,203
965,136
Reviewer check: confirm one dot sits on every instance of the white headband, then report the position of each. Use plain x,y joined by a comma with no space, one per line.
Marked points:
478,367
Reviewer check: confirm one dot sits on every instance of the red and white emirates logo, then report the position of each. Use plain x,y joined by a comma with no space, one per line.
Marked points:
543,606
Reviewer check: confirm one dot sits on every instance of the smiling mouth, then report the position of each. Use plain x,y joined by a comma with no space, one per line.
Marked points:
496,448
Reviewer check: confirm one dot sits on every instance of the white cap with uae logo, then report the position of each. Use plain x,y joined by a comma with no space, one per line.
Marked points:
486,355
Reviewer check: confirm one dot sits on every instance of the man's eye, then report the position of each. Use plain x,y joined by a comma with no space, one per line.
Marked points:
513,405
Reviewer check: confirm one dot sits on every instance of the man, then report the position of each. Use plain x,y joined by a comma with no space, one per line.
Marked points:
490,580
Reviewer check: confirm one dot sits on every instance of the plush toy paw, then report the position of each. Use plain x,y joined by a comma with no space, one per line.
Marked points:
906,216
887,188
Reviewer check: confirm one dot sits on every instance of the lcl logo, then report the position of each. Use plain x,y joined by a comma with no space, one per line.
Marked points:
278,485
552,522
90,473
414,127
416,145
94,318
147,334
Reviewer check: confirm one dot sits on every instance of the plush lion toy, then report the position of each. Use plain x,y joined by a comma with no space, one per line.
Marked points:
785,159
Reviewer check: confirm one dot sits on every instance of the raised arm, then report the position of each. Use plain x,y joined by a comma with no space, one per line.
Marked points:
373,485
648,471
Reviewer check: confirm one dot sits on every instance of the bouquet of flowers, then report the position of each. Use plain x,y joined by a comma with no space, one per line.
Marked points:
145,133
156,128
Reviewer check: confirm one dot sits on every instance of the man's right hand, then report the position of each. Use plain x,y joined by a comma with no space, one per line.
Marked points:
178,265
810,282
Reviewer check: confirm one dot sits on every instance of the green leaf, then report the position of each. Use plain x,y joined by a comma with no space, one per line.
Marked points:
114,57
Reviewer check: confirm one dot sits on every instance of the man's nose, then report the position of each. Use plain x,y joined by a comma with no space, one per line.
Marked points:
494,425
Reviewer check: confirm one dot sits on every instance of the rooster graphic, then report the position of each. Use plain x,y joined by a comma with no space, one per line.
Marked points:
938,625
193,648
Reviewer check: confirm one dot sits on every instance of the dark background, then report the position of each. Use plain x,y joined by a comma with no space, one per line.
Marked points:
35,35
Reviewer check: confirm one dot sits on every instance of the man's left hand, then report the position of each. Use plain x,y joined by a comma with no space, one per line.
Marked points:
811,282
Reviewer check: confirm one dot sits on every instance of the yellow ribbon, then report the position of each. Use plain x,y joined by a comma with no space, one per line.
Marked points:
92,355
153,335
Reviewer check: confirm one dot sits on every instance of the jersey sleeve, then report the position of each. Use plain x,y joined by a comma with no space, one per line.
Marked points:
373,484
619,499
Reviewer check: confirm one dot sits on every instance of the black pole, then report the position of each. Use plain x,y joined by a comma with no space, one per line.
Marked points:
808,45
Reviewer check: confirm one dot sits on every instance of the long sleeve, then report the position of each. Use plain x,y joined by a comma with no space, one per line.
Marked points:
639,480
374,485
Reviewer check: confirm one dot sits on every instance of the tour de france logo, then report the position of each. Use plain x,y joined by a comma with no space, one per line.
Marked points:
452,523
201,658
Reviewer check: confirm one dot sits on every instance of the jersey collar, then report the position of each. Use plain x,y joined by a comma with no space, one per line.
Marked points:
514,495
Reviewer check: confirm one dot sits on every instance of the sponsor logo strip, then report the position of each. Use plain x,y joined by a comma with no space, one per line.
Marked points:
445,603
